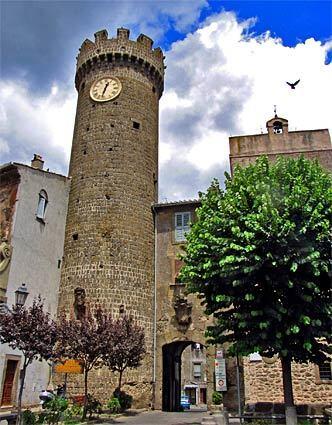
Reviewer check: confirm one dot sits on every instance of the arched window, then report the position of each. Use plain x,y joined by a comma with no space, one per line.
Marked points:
277,127
42,203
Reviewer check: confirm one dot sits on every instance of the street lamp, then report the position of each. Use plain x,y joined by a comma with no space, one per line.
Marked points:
21,295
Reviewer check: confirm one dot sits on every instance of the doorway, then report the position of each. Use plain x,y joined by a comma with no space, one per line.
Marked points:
8,396
171,390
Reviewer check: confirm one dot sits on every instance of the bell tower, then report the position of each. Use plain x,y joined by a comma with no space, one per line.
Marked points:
109,239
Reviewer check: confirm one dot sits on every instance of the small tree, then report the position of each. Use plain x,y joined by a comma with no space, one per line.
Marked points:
127,348
85,340
259,255
30,330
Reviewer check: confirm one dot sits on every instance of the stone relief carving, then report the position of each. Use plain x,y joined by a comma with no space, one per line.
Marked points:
5,255
182,309
79,303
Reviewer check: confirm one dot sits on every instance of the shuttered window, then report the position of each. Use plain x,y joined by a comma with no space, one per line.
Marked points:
182,226
197,370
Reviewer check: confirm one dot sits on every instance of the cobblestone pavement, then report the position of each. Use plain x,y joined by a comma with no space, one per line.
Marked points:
161,418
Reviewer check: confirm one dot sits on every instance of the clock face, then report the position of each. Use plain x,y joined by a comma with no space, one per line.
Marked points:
106,88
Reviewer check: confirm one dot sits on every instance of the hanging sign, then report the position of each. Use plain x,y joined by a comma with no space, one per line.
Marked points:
220,372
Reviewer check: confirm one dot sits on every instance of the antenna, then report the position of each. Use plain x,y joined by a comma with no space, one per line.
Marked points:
275,111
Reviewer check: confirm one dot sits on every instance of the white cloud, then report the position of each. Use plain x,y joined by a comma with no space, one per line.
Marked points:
221,81
31,123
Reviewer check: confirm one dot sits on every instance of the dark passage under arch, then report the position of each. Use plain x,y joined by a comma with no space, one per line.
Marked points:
171,391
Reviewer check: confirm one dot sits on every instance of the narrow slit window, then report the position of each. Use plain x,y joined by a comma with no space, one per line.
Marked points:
42,204
136,125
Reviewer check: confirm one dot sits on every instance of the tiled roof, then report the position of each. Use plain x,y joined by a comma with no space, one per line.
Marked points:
177,203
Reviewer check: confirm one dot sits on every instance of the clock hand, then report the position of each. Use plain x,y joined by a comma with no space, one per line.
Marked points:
105,89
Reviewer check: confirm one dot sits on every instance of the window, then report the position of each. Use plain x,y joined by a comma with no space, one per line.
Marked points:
182,221
197,370
42,203
325,371
136,125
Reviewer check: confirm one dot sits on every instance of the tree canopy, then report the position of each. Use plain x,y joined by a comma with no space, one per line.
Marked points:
259,256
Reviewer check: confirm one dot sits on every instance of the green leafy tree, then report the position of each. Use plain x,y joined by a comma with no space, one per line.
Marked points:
259,256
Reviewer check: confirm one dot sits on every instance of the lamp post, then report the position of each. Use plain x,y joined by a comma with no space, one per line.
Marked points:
21,295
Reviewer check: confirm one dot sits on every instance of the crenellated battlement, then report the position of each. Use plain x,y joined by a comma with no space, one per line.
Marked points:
123,51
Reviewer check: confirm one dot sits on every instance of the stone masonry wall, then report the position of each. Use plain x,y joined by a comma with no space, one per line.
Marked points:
263,383
313,144
109,242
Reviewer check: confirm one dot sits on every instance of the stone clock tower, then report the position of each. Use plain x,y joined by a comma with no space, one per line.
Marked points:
109,241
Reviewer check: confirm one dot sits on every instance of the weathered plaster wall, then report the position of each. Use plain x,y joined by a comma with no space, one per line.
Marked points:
37,250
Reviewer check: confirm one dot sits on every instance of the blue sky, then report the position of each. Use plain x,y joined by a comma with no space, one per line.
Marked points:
243,52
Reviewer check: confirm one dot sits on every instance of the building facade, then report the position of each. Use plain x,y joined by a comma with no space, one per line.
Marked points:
180,320
33,207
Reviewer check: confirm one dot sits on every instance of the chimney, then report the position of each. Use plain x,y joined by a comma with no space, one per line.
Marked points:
37,162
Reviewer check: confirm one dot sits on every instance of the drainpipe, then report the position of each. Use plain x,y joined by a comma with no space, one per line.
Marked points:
155,311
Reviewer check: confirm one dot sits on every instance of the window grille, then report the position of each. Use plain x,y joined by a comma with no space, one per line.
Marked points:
325,371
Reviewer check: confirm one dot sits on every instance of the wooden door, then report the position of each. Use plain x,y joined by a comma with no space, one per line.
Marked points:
9,383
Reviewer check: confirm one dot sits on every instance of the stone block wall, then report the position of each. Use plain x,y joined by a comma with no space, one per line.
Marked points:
313,144
263,383
109,241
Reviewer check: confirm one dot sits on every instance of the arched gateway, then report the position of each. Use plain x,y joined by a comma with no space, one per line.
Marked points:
172,374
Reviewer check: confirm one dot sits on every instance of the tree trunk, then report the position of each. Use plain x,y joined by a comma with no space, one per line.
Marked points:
290,409
86,371
120,379
19,407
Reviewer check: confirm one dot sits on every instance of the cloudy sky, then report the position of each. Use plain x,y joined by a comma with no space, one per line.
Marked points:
227,64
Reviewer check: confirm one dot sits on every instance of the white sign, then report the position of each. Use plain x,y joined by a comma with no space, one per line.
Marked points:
220,372
220,354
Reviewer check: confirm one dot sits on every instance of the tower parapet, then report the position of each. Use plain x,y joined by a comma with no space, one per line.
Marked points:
121,51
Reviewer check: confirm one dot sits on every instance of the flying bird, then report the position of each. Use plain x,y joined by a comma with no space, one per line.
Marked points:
292,85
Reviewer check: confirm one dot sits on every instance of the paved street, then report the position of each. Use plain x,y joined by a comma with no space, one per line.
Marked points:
162,418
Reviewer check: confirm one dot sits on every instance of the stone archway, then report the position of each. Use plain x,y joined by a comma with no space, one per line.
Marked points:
171,386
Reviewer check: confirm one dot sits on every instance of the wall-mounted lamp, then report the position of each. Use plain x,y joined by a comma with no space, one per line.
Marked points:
21,294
